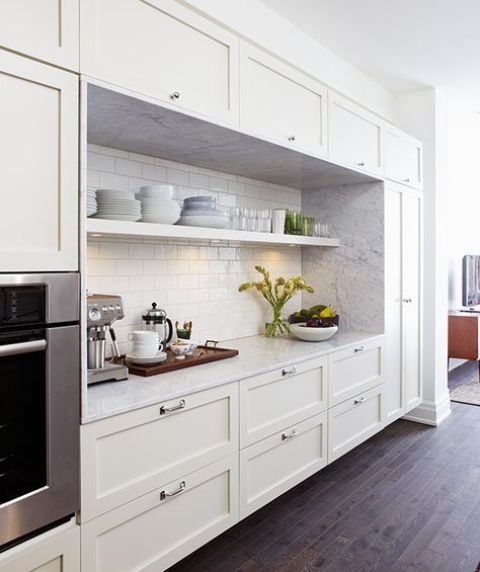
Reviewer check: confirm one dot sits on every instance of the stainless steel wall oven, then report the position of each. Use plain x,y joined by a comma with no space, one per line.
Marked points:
39,402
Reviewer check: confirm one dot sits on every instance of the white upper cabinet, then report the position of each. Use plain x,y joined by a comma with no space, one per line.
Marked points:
39,174
355,136
43,29
279,102
161,49
403,158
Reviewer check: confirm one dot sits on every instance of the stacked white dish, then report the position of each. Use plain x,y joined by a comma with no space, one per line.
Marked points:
203,211
118,205
91,201
158,205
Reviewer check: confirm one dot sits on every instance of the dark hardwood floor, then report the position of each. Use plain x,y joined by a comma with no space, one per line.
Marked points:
406,500
462,374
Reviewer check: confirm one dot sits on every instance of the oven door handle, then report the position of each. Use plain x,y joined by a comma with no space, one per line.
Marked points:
22,348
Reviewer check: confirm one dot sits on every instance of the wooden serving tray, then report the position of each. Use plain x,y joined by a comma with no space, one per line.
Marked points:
203,354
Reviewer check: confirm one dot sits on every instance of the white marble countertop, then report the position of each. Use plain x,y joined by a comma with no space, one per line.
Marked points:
258,354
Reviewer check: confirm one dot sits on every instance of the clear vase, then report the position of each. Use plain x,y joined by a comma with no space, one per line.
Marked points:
277,327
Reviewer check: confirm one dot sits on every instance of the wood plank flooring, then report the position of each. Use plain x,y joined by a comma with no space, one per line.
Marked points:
408,499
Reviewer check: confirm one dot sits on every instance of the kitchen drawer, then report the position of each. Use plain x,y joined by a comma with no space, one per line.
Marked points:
276,464
275,400
355,136
279,101
129,455
353,370
354,421
164,50
46,30
403,158
156,530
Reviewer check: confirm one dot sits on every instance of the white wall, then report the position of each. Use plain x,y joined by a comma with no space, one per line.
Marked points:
257,23
464,192
424,114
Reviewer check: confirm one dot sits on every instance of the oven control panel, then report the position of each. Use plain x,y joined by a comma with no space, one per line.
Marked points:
103,310
20,305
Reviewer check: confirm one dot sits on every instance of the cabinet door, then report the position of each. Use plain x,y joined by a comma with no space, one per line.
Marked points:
274,465
39,174
403,158
412,302
43,29
162,49
199,429
354,421
393,364
354,136
280,102
158,529
55,551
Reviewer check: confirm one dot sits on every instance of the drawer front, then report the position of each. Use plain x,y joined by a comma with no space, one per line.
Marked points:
276,464
129,455
354,421
275,400
47,30
403,158
156,530
163,50
354,370
279,101
355,136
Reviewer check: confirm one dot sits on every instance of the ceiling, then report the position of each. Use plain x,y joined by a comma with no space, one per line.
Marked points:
402,44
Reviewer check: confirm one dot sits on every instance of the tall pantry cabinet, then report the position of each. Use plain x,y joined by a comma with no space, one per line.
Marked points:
403,300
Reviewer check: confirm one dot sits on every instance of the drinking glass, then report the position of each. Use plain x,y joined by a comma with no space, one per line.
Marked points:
252,219
264,220
293,222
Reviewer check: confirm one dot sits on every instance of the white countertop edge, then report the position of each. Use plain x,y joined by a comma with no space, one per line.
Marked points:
327,347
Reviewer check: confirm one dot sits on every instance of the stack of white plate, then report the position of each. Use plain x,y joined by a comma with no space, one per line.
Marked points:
158,205
203,211
91,201
118,205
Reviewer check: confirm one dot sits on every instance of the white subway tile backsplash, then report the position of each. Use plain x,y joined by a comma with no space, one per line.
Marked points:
192,281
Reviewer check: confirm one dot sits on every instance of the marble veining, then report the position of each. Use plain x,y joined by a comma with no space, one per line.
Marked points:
258,354
350,278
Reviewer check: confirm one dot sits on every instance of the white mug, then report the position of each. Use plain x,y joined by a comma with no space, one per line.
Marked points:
144,336
145,343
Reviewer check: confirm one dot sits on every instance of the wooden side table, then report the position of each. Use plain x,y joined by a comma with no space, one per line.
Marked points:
464,336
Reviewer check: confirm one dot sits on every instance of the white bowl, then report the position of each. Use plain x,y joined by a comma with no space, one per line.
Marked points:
160,219
302,332
157,191
205,221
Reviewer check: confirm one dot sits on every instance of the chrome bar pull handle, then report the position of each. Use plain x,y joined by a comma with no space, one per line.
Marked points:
359,349
22,348
286,436
181,405
359,400
289,370
164,495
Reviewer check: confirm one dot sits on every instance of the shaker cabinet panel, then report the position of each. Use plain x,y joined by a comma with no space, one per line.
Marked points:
39,175
176,437
163,50
354,136
46,30
158,529
403,158
280,102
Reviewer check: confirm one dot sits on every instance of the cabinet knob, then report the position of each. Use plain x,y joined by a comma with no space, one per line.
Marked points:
359,400
164,494
406,180
358,349
289,370
292,138
175,95
181,405
286,436
361,164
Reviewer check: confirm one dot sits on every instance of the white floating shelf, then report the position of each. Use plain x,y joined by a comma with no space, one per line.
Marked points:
149,230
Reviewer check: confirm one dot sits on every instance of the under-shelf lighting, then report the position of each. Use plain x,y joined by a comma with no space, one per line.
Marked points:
96,235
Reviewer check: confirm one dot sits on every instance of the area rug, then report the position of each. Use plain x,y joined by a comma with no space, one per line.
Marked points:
467,393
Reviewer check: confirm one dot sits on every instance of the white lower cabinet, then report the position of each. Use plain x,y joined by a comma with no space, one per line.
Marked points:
128,455
156,530
57,550
274,400
272,466
354,421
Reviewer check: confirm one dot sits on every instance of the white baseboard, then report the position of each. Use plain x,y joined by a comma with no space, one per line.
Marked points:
430,413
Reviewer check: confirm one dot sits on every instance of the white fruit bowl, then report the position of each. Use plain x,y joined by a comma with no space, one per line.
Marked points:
302,332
